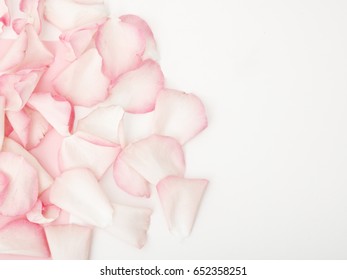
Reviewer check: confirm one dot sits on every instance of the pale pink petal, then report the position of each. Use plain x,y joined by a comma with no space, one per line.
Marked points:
47,152
43,214
179,115
67,14
103,122
45,180
137,90
151,51
4,15
129,180
55,109
4,182
155,157
81,38
2,120
180,199
89,1
15,53
22,189
69,242
34,12
20,122
78,192
82,83
121,46
79,151
17,88
130,224
38,127
21,237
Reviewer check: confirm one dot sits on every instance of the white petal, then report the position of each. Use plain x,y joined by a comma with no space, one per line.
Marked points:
103,123
69,242
78,192
82,82
40,214
180,199
79,151
66,14
155,158
130,224
179,115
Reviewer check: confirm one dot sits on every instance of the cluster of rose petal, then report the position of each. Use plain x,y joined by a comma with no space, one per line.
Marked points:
64,106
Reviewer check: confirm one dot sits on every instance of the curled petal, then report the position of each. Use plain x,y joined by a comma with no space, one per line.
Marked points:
180,199
155,157
130,224
121,46
137,90
69,242
20,237
151,51
45,180
47,152
41,214
4,15
34,12
56,110
67,14
179,115
129,180
38,127
103,122
78,192
82,83
22,189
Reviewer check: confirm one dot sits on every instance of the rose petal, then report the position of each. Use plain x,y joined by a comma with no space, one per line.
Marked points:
20,123
40,214
151,51
130,224
38,127
21,237
66,14
45,180
180,199
69,242
89,1
47,152
2,120
137,90
22,189
34,12
79,151
17,88
179,115
56,110
129,180
121,46
82,83
4,15
78,192
103,123
4,182
154,158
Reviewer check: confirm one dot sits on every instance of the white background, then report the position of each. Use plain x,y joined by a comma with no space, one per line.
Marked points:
273,77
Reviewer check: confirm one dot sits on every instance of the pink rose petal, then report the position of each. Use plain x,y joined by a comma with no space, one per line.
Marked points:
79,151
45,180
67,14
82,83
43,214
4,182
78,192
121,46
137,90
20,237
4,15
130,224
103,122
153,158
22,189
34,13
179,115
2,120
180,199
56,110
69,242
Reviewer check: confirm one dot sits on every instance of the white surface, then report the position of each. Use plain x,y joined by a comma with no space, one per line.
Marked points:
273,77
